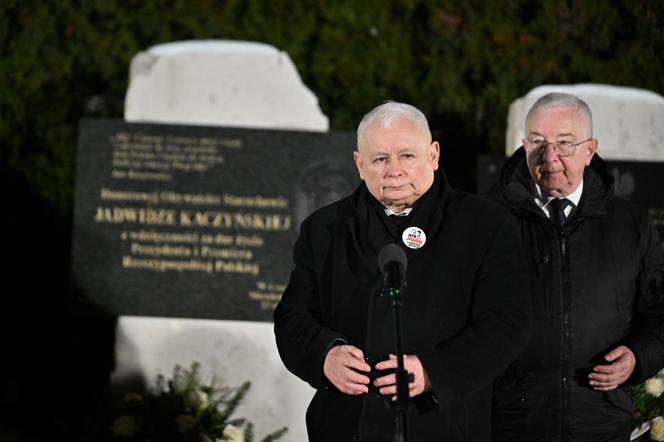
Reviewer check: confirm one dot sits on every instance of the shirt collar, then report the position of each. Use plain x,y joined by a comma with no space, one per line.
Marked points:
389,211
573,197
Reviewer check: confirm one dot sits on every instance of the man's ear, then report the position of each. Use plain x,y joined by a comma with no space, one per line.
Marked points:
590,151
359,164
434,153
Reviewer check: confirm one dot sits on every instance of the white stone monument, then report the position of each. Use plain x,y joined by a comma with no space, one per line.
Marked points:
628,122
221,83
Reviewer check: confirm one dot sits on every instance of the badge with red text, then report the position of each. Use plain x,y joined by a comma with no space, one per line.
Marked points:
414,237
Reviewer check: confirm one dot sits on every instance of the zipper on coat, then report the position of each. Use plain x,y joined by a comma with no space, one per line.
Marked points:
566,310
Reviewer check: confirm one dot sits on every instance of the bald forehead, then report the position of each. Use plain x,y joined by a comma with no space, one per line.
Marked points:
583,119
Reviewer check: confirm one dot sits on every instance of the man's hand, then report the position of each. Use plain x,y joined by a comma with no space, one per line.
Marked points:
609,377
339,368
411,363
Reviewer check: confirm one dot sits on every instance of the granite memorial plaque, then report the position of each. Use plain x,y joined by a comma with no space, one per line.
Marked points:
198,222
636,181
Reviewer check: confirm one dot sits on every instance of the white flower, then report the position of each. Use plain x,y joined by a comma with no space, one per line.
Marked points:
233,434
198,400
657,430
124,426
655,386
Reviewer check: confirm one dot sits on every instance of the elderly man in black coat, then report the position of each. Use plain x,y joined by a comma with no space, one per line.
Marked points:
464,312
598,286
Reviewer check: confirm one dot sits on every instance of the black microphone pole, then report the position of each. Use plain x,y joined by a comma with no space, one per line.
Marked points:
392,262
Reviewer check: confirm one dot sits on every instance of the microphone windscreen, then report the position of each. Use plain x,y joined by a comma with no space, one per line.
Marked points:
392,253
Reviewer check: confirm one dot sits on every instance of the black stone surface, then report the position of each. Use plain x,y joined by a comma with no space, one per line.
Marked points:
150,198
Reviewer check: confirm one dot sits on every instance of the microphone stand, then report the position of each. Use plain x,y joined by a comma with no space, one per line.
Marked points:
403,398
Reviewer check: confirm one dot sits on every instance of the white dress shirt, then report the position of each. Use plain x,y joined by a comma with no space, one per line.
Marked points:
574,197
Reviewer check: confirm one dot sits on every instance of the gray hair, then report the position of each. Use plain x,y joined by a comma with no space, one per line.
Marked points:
561,99
389,111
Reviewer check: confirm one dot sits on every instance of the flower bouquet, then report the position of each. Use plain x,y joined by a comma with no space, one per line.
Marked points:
649,401
183,409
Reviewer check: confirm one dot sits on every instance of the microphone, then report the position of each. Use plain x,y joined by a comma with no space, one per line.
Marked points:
392,262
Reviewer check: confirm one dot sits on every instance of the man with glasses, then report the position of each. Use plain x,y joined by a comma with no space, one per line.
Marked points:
597,271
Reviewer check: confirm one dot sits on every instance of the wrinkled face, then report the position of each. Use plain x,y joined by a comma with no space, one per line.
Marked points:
397,163
559,176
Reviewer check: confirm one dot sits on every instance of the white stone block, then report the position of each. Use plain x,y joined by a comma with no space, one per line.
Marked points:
220,83
628,122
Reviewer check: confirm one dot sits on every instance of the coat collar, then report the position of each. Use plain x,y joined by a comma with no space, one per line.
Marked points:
516,188
371,229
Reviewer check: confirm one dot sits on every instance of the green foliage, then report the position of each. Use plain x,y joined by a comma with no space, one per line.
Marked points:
183,409
648,400
461,61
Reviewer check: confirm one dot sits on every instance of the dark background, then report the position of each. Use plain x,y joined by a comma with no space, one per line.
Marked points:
462,62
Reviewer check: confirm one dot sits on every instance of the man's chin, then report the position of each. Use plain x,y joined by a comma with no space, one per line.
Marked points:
551,190
399,200
550,184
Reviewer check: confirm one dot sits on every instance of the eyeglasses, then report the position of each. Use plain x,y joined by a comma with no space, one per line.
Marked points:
562,148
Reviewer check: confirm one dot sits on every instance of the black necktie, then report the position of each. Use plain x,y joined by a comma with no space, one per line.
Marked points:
557,210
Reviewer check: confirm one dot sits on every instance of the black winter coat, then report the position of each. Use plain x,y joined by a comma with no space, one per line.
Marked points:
463,314
597,283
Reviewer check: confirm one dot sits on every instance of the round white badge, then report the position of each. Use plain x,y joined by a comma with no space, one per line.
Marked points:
414,237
